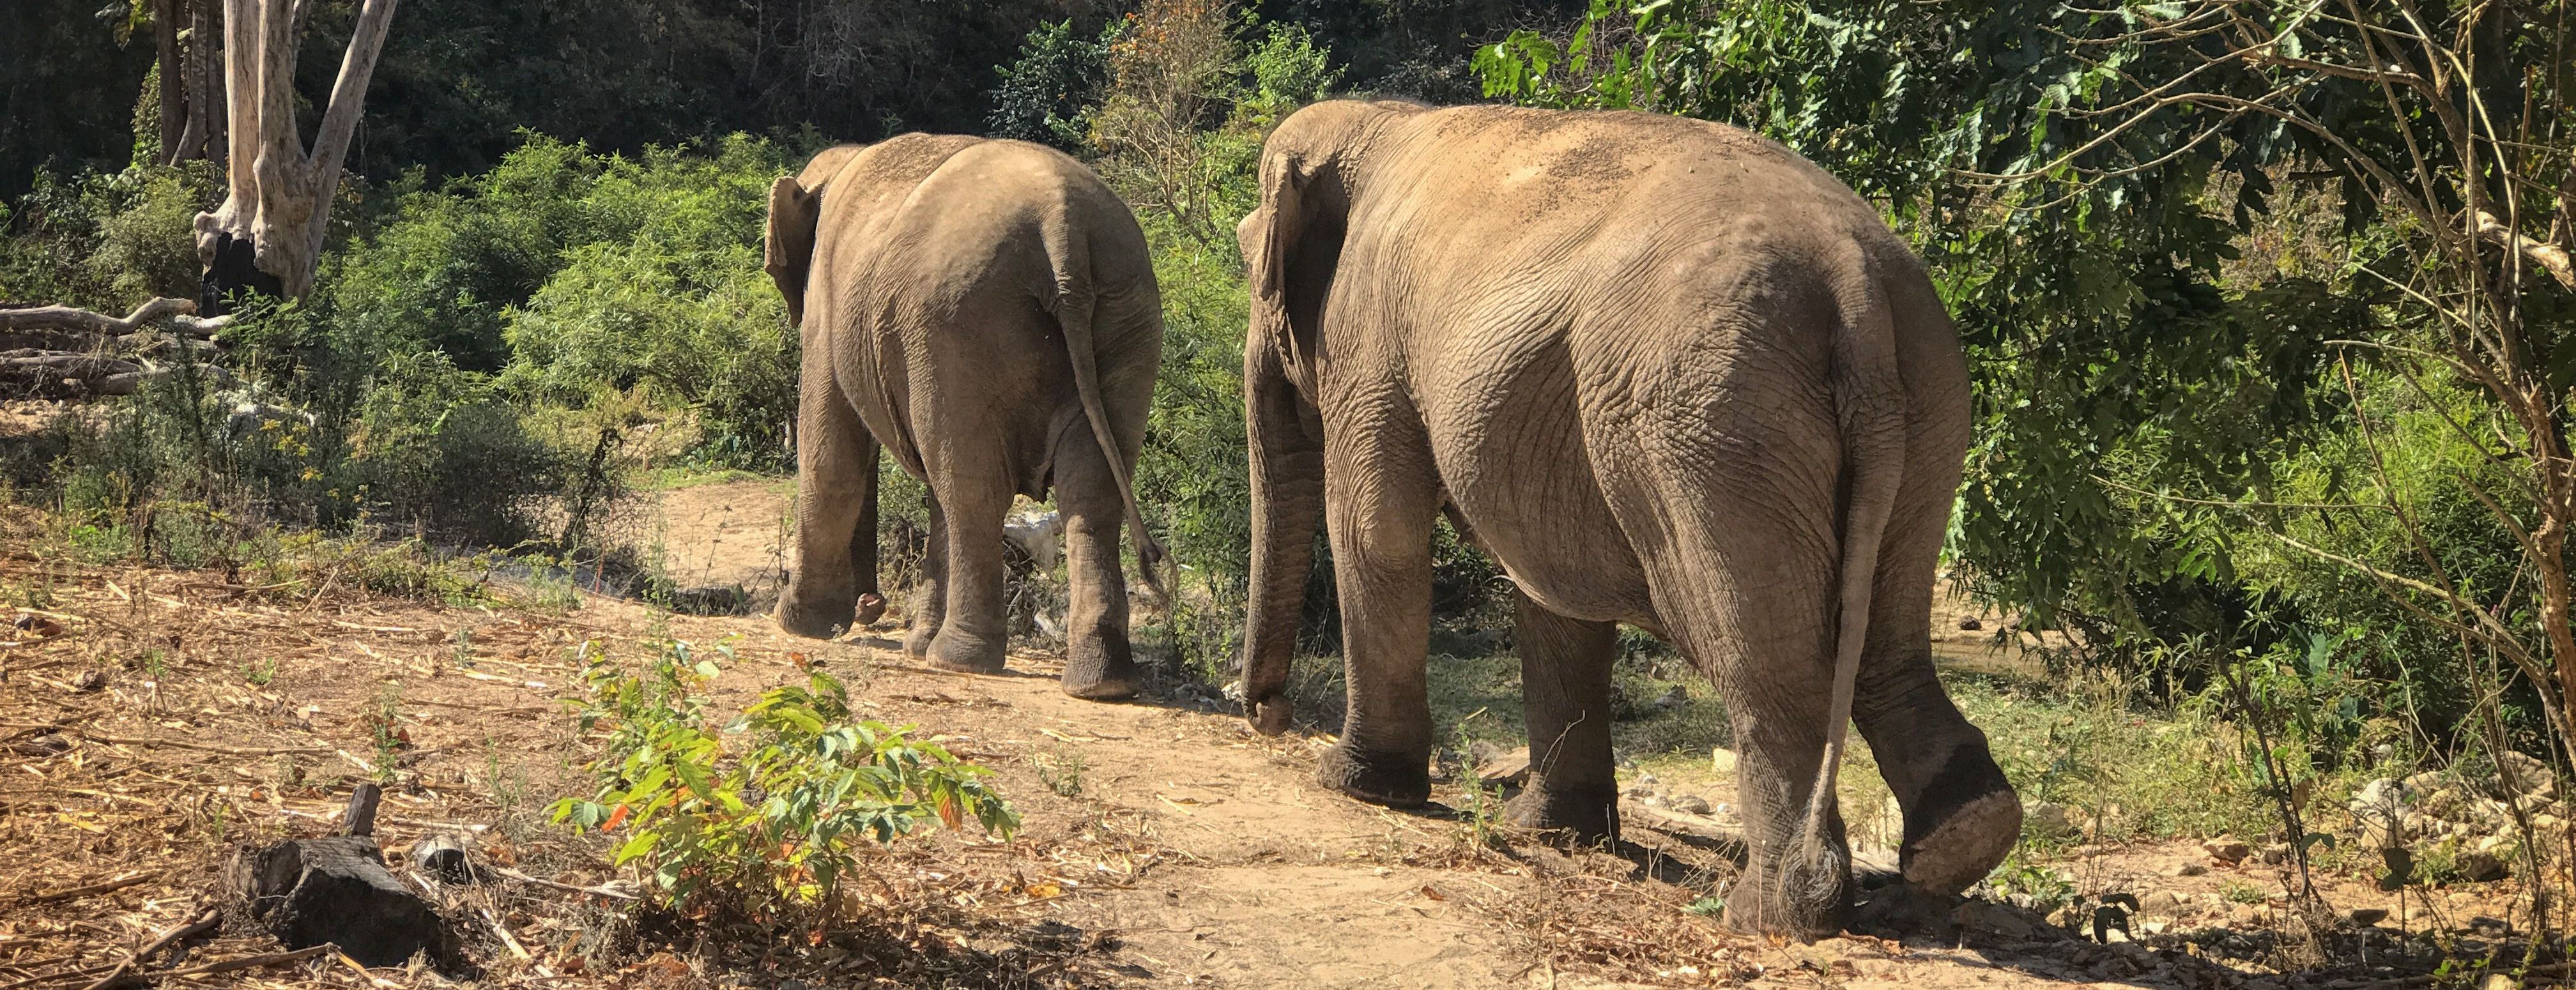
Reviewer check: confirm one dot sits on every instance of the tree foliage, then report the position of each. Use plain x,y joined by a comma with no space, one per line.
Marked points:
1045,92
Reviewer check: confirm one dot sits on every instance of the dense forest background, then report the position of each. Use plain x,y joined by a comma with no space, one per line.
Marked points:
469,76
2256,423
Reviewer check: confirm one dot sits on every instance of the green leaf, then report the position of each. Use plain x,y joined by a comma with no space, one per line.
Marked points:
641,843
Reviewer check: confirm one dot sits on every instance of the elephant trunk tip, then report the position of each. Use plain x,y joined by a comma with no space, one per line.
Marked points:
1270,716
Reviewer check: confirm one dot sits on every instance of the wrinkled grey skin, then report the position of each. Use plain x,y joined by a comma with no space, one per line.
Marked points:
1666,373
987,311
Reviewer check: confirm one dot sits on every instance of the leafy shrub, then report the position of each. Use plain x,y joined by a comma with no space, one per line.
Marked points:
445,452
149,248
1289,70
105,240
1193,476
768,828
1174,73
423,446
1043,95
569,273
705,332
444,265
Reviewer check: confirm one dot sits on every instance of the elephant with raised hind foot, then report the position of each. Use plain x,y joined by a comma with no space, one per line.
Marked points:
986,311
1665,373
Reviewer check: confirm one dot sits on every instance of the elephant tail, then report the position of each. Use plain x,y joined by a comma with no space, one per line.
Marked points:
1069,253
1869,405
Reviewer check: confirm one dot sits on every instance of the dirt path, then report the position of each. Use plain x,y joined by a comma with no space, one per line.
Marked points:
152,719
1267,879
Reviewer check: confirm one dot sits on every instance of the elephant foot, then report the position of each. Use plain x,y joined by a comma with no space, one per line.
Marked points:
1965,846
810,621
917,637
872,606
1107,688
1402,780
1589,814
1101,669
1961,826
965,653
1802,893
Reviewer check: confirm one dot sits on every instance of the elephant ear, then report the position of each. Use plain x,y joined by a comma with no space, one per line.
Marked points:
788,253
1273,238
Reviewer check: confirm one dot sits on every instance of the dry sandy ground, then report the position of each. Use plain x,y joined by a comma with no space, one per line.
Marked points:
190,713
725,533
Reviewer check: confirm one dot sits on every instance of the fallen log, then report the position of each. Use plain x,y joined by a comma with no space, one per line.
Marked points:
179,314
2551,258
1727,840
64,364
132,382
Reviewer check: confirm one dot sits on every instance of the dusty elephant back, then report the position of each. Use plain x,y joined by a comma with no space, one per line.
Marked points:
1613,194
1027,200
955,253
1678,283
863,185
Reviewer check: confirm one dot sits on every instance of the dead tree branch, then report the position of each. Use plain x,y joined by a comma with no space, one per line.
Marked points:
2549,257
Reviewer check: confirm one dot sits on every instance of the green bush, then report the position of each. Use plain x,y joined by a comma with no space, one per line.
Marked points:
569,273
767,828
424,448
149,248
443,451
1044,94
442,266
2441,478
704,332
105,240
1288,70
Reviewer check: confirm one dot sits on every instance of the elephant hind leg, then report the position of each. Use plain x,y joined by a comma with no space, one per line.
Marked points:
1565,681
1099,665
1961,815
974,635
1767,642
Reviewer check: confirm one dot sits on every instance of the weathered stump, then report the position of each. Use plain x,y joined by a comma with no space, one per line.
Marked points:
310,891
337,890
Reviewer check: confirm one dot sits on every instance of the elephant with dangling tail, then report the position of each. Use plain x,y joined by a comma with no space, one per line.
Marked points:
986,311
1667,374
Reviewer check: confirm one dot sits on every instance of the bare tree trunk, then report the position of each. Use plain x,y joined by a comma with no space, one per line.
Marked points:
165,45
267,235
203,135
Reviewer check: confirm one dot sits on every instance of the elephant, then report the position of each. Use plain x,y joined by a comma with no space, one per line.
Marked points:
986,311
1665,373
